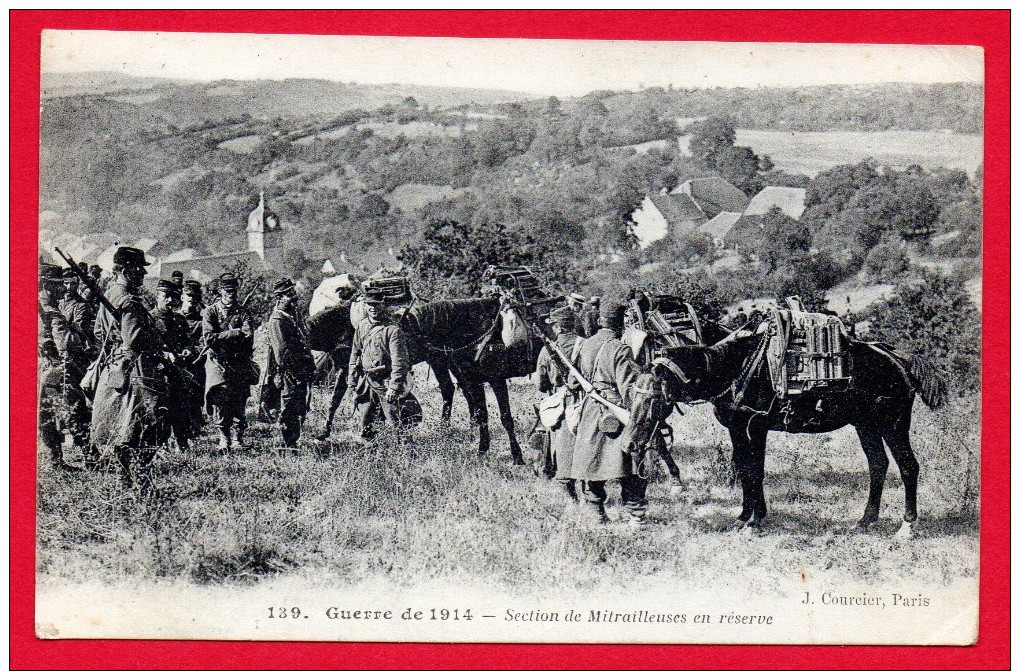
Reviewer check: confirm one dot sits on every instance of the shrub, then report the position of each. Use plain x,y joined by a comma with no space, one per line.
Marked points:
886,261
931,315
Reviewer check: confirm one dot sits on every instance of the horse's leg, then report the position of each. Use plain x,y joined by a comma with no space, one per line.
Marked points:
741,461
878,464
667,458
446,389
506,418
759,433
898,440
474,392
340,362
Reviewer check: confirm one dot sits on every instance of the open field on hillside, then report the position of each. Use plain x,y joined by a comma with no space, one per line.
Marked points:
428,508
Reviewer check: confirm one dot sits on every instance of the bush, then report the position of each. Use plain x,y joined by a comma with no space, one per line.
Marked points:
886,261
931,315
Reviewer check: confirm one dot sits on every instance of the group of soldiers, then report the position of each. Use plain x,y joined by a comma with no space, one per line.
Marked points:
120,379
586,442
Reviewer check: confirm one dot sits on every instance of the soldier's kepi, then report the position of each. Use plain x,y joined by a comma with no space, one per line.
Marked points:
130,414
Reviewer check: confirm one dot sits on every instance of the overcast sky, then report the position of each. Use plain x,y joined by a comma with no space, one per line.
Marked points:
544,67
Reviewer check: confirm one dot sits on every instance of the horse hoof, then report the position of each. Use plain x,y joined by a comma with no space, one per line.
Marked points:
906,531
519,462
865,524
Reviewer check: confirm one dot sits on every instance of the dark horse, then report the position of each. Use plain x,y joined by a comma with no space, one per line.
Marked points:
878,403
470,338
461,337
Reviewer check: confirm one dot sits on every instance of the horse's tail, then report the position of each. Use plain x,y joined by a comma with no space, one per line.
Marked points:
920,374
928,381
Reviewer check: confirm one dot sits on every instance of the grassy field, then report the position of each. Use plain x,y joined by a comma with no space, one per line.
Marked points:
812,152
429,508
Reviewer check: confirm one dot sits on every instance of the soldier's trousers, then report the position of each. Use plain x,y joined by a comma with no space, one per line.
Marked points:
75,414
632,491
293,407
228,403
404,412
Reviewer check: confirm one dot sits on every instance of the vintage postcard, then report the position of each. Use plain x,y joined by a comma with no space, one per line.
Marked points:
491,340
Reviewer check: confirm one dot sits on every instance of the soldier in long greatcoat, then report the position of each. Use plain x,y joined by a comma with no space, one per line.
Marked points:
295,364
229,333
130,412
552,376
379,369
600,449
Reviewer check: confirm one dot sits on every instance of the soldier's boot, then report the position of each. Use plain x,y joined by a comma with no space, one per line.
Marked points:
123,454
600,510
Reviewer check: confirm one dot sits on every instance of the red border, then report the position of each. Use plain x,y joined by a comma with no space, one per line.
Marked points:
989,29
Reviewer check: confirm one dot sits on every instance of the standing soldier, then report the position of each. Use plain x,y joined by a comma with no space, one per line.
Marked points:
295,365
552,378
228,332
174,329
130,412
191,308
379,368
576,303
600,451
341,356
77,353
177,277
53,336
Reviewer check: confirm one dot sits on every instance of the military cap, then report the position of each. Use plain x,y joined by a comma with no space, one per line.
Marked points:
611,313
374,297
49,273
177,273
229,280
129,256
168,286
69,274
561,316
283,287
193,287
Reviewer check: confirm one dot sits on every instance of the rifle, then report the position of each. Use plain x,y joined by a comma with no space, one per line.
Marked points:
620,413
89,282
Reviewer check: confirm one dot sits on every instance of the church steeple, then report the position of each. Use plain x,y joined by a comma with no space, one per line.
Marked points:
265,236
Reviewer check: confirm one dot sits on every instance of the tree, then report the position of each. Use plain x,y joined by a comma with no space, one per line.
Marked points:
450,257
778,238
710,137
931,315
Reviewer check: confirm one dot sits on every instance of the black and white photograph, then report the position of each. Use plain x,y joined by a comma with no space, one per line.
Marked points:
354,338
